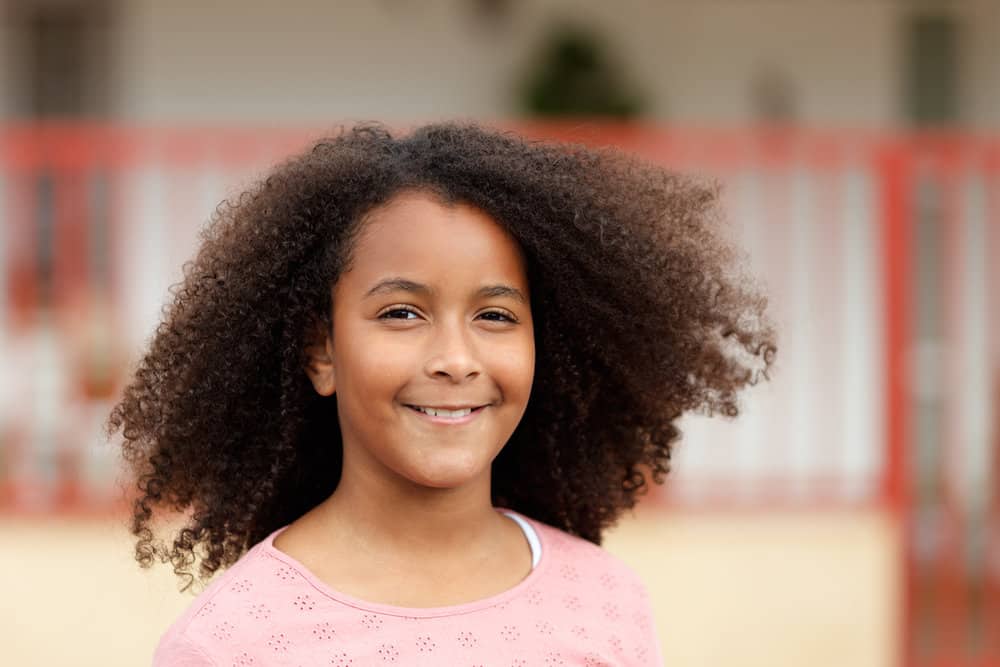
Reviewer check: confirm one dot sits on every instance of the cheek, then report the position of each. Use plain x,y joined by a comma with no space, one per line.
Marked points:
374,370
516,371
387,372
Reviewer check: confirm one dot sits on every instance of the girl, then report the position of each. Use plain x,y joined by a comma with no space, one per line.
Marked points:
406,385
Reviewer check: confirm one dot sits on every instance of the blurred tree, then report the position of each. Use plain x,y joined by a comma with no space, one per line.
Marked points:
575,77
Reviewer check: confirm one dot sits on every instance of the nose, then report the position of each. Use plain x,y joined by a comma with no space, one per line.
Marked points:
452,354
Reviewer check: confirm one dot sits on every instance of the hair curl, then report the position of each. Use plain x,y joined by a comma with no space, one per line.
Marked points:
637,314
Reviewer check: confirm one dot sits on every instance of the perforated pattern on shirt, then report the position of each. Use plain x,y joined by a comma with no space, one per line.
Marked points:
584,608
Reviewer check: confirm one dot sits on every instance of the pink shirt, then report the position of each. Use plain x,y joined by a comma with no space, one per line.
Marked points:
578,606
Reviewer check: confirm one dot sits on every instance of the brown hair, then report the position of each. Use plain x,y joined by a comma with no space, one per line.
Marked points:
637,317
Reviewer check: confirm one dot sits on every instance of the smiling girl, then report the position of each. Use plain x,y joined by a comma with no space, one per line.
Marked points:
406,385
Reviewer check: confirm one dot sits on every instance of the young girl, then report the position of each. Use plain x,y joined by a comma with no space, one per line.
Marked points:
406,385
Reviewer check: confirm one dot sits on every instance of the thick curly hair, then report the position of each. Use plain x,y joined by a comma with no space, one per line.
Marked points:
639,318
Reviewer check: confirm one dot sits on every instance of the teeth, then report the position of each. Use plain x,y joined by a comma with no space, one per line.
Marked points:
451,414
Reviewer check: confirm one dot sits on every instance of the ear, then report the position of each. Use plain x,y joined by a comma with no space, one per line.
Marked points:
319,364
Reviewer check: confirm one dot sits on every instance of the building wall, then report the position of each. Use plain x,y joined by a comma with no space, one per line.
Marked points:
8,66
769,591
696,61
980,65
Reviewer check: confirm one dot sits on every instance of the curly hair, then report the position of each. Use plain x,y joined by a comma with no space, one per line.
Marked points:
639,318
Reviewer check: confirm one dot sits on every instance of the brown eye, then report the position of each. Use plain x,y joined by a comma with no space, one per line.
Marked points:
398,314
497,316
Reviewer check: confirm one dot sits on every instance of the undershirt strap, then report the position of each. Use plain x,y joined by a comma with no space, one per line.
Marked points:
531,536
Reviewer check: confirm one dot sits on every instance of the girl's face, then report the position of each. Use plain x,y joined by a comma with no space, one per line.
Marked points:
433,353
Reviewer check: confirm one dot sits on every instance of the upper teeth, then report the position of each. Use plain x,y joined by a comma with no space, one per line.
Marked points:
436,412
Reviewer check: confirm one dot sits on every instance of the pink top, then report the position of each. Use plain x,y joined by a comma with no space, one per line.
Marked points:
578,606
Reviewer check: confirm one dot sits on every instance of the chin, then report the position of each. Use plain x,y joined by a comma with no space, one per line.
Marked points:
447,477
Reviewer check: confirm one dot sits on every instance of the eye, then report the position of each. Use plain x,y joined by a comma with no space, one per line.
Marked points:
398,313
498,316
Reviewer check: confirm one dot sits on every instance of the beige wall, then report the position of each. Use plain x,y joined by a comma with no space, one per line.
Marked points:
324,61
980,64
768,591
8,66
317,61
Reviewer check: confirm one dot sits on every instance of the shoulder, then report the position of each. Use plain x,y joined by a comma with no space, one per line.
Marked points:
179,651
575,559
601,593
191,639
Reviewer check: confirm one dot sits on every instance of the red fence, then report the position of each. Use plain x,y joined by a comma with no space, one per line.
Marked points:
880,253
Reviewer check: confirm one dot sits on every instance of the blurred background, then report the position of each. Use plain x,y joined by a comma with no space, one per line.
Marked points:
849,517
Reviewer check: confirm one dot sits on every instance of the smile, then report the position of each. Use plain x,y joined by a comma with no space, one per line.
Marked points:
446,416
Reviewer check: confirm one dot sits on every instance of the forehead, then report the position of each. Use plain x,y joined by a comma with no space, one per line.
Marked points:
417,235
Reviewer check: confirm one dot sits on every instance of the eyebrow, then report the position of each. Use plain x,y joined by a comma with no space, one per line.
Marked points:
404,285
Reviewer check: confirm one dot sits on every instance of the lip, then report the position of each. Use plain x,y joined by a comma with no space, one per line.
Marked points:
476,411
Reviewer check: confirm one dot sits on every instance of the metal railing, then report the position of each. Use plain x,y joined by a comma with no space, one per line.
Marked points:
880,254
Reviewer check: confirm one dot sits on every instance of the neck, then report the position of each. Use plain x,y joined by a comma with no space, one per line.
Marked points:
411,520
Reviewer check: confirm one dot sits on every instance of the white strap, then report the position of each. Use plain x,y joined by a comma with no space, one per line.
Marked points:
532,537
